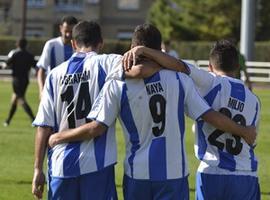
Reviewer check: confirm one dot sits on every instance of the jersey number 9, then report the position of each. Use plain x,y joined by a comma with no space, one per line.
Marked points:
157,105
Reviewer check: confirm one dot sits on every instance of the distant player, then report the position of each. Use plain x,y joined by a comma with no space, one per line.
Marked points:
80,170
20,61
166,47
228,168
56,50
151,113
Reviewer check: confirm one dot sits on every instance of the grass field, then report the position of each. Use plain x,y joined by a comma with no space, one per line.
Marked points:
17,148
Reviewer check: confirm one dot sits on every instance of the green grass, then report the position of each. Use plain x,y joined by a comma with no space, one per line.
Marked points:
17,148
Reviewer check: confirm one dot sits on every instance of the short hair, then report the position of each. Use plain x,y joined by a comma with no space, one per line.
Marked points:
22,43
87,34
224,56
70,20
147,35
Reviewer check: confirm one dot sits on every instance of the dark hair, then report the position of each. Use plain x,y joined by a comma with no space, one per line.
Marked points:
167,42
147,35
224,56
22,43
87,34
70,20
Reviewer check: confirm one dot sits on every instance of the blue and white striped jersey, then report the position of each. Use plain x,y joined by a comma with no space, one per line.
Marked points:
70,89
220,152
54,53
152,116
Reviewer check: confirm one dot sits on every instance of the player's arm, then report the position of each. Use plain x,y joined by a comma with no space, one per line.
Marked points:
106,102
200,109
224,123
41,79
41,141
130,59
42,64
143,69
85,132
10,60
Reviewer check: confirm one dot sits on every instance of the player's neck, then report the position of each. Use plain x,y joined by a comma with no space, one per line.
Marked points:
86,49
230,74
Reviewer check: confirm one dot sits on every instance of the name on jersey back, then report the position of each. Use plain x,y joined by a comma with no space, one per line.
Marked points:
236,104
70,79
154,88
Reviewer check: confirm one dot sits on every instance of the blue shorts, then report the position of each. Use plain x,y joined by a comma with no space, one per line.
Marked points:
97,186
227,187
155,190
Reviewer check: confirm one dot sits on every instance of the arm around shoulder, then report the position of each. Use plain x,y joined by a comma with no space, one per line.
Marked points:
85,132
224,123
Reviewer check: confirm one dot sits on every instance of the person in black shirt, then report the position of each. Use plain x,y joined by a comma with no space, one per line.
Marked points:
20,61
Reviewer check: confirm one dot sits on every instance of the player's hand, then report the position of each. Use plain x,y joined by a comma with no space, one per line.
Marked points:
250,135
130,57
52,140
38,184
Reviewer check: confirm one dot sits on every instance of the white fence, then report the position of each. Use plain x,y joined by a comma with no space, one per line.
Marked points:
258,71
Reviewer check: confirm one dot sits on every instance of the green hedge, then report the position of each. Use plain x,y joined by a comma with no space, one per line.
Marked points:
186,50
34,45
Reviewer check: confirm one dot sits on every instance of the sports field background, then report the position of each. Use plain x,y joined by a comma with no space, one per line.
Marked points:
17,148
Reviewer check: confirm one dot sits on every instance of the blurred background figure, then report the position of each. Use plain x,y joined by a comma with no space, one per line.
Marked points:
166,47
20,61
56,50
242,65
243,68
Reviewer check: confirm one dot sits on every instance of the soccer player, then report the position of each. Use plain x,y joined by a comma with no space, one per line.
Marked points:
80,170
56,50
151,113
20,61
228,163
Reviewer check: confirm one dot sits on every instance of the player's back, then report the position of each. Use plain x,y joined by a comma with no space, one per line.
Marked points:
223,150
152,117
54,53
72,88
21,62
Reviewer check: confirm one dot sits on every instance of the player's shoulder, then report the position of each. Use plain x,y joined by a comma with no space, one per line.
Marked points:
103,60
114,86
59,69
108,56
170,75
13,52
53,41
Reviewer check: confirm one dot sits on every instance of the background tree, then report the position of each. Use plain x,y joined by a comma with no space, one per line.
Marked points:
197,19
263,21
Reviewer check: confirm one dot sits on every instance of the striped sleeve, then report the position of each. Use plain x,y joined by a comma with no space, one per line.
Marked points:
107,105
45,115
44,60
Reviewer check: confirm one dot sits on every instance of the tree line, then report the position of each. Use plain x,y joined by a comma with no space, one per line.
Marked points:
193,20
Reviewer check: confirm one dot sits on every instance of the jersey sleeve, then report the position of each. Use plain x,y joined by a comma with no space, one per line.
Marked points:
44,60
195,105
10,59
46,113
107,105
202,79
113,67
11,53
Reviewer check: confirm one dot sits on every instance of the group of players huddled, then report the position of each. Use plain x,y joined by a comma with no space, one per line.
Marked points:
149,92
